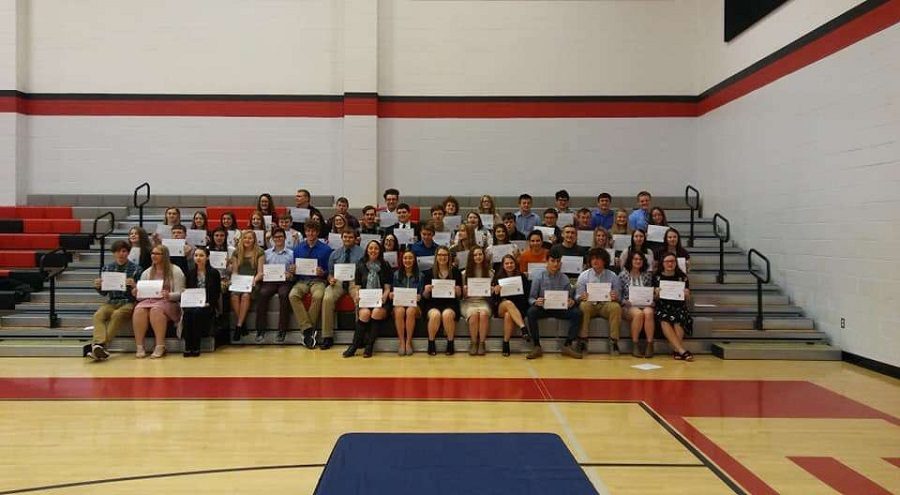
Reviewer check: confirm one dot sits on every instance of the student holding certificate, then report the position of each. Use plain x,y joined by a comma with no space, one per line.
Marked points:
603,215
583,219
476,308
512,304
605,305
390,244
437,217
486,207
312,283
158,312
372,273
139,239
200,222
673,315
636,275
509,220
620,225
552,280
640,217
658,221
248,260
302,201
278,254
266,206
291,236
480,236
442,307
119,304
407,277
197,322
258,223
342,207
171,217
464,240
345,258
229,222
179,233
536,252
501,246
451,206
551,218
673,245
368,223
638,244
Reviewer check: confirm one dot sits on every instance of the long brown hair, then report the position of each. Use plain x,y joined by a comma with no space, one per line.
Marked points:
482,269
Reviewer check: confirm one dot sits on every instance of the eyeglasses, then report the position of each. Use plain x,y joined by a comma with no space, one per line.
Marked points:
155,253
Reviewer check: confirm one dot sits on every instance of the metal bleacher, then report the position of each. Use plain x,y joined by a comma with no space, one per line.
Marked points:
725,305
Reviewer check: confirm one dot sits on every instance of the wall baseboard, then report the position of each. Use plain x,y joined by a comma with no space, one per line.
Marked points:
871,364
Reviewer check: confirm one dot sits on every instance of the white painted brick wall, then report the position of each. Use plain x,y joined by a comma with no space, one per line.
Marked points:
808,171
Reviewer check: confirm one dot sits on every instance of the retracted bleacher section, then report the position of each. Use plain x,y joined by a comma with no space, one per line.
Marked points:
724,310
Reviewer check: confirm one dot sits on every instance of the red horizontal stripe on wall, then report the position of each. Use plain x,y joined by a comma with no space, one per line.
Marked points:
482,109
354,105
847,34
182,108
8,104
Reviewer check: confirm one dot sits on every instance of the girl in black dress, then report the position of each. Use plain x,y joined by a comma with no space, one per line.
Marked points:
673,315
442,310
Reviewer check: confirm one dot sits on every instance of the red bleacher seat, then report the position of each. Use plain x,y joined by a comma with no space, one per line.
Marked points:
242,213
50,212
51,226
4,273
29,241
18,259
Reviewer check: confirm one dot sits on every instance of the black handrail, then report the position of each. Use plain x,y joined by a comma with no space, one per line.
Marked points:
51,276
140,206
720,278
102,237
694,206
758,322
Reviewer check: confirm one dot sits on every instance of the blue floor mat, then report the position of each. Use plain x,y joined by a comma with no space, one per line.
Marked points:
452,463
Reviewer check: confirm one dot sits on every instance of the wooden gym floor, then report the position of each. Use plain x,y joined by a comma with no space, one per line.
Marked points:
264,420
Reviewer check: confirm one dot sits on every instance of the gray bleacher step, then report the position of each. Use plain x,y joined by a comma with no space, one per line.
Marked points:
45,332
768,309
734,322
41,347
63,307
793,351
751,335
732,287
79,320
725,299
709,277
173,345
68,296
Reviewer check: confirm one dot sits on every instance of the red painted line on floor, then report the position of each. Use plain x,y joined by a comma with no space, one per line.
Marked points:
743,476
839,476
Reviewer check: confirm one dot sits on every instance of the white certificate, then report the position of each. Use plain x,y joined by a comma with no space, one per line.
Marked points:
233,237
443,288
134,255
164,231
218,259
487,220
498,251
572,264
442,238
196,237
547,232
481,237
451,222
511,286
585,238
556,299
404,236
565,219
345,272
267,221
462,259
425,262
274,272
370,298
621,242
405,297
334,240
193,298
682,263
365,239
390,257
260,237
598,291
522,245
149,289
612,257
387,218
534,270
640,296
175,246
299,215
656,233
478,287
306,266
241,283
112,281
671,290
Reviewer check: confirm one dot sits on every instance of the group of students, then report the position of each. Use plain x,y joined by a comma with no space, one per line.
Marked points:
518,267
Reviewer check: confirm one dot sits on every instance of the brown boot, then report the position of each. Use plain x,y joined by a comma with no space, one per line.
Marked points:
568,350
535,353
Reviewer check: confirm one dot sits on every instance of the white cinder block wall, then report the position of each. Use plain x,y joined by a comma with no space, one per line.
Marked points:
808,171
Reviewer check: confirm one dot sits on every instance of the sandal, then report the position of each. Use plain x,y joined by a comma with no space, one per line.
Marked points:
687,356
676,356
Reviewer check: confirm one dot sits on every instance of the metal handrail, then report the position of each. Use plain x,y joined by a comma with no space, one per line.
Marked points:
51,276
694,206
720,278
102,237
140,206
758,321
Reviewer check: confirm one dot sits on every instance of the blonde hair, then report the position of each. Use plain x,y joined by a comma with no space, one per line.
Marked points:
469,241
492,210
165,264
240,252
616,230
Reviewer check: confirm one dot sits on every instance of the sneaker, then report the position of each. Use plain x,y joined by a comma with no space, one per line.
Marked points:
282,334
260,336
140,353
327,343
309,338
90,354
158,352
535,353
99,352
482,349
613,347
568,350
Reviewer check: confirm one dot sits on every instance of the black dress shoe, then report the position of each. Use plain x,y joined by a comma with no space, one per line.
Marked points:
350,352
236,334
432,348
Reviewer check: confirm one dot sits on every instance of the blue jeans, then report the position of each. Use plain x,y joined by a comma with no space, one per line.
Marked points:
536,313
